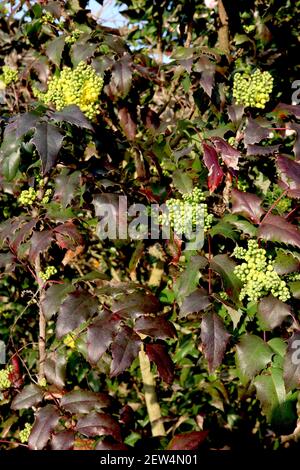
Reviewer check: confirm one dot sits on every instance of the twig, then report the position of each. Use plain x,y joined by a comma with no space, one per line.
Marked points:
223,32
42,322
274,205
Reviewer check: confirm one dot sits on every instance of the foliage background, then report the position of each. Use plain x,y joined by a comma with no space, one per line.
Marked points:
166,119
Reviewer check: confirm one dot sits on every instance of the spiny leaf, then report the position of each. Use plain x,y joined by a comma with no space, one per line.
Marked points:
39,243
224,266
195,302
277,229
84,401
125,349
289,171
73,115
272,312
53,297
215,172
100,335
77,308
214,338
246,204
254,133
229,154
98,424
30,396
47,140
55,368
253,354
159,355
54,49
46,420
63,440
127,122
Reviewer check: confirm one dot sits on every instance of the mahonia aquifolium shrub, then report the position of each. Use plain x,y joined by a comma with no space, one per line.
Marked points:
185,214
27,197
49,271
258,275
25,433
80,86
5,381
8,75
252,89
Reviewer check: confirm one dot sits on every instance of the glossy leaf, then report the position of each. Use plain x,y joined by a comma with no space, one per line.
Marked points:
272,312
100,335
30,396
98,424
229,154
196,302
55,369
157,327
215,172
125,349
246,204
73,115
291,368
159,355
277,229
253,354
83,401
63,440
187,441
53,298
214,338
45,422
77,308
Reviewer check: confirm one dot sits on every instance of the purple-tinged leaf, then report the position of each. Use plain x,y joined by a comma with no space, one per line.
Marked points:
47,140
100,335
159,355
55,369
214,338
77,308
63,440
196,302
84,401
125,349
136,303
272,312
229,154
68,236
276,229
254,133
107,444
39,244
127,122
82,51
54,49
259,150
207,69
73,115
65,186
98,424
121,77
285,263
23,233
157,327
53,298
25,122
46,420
187,441
215,172
253,354
224,266
289,171
30,396
235,113
246,204
291,368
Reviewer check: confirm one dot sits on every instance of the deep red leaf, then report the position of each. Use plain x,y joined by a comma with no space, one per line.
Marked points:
246,204
215,172
158,327
159,355
46,420
229,154
125,349
98,424
100,335
214,338
187,441
277,229
77,308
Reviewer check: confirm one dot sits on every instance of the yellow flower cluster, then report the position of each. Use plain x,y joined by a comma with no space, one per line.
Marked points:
27,197
80,86
253,89
4,377
8,75
25,433
50,271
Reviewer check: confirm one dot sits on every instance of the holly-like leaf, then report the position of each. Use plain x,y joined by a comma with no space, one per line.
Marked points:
127,122
46,420
82,51
182,181
280,412
125,349
48,141
254,133
136,303
63,440
214,338
207,69
53,298
39,243
285,263
121,77
246,204
196,302
65,186
159,355
25,122
78,307
157,327
272,312
188,280
215,172
30,396
224,266
253,354
54,49
235,113
262,151
276,229
55,369
68,236
84,401
98,424
100,335
229,154
22,234
291,368
10,165
187,441
73,115
289,171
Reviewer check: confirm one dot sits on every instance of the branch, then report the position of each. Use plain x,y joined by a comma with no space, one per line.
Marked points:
42,323
152,404
223,32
